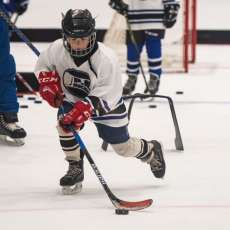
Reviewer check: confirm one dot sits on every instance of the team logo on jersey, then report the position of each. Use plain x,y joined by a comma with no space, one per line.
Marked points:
77,82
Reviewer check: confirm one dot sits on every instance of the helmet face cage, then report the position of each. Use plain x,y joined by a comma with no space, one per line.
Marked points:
78,24
80,52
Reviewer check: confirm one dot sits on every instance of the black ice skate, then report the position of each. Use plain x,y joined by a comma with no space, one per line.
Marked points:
11,133
153,85
72,182
129,86
156,160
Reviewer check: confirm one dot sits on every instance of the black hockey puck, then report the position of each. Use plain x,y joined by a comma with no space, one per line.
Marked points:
121,211
179,92
152,106
24,106
31,98
37,101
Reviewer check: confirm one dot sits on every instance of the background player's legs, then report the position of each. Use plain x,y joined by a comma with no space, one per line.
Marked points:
133,57
147,151
8,99
153,47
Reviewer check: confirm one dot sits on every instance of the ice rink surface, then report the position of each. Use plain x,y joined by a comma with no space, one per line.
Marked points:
195,193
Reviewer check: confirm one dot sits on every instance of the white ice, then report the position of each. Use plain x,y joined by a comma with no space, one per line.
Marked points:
195,193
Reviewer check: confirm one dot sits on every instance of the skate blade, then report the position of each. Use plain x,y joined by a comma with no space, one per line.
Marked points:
70,190
10,141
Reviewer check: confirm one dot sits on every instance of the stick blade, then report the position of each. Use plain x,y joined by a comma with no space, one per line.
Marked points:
133,206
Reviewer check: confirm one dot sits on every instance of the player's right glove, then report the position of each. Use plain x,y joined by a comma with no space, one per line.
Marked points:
21,6
50,88
80,113
119,6
16,6
170,14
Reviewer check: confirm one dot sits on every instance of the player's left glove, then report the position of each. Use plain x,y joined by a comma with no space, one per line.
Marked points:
170,14
119,6
80,113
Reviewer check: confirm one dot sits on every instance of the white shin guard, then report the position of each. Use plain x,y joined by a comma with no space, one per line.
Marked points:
69,145
130,148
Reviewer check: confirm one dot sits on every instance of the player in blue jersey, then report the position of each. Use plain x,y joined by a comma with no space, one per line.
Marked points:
8,99
148,20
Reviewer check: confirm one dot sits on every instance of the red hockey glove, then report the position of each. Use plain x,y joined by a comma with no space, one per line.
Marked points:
80,113
50,88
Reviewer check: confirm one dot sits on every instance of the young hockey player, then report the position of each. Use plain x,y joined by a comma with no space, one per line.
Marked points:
8,99
84,77
148,20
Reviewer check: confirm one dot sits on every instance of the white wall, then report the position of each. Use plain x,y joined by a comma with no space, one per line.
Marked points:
47,14
212,14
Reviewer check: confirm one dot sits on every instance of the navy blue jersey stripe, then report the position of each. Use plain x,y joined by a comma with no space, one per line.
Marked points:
145,10
109,117
146,21
145,16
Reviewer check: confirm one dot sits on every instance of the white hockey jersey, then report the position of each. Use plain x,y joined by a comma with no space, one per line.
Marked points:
147,14
101,74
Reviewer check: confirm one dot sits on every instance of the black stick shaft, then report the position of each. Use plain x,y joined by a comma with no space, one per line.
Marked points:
83,148
136,48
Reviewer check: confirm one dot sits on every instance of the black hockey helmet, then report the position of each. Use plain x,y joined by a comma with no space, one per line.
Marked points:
78,24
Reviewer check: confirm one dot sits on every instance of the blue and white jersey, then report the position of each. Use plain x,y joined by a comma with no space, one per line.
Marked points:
147,14
100,74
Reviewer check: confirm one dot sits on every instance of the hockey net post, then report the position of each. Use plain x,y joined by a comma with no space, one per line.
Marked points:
193,31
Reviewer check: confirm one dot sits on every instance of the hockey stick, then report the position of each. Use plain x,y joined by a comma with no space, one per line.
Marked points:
4,15
25,83
13,19
37,98
119,204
